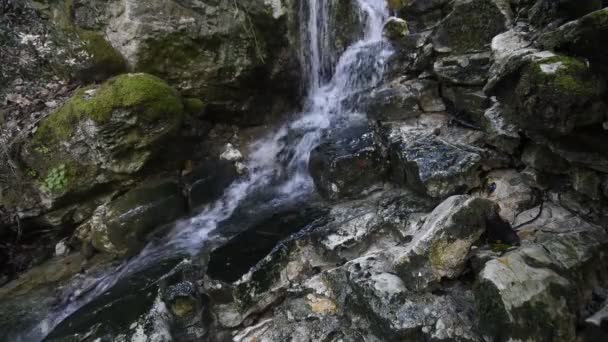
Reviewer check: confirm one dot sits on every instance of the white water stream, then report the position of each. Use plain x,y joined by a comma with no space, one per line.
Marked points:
279,162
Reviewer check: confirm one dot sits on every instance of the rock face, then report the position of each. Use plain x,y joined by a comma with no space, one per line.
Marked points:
229,54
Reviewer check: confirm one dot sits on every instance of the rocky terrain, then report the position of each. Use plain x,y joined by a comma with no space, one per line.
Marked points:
468,205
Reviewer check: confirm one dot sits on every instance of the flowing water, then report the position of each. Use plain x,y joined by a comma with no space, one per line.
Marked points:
278,165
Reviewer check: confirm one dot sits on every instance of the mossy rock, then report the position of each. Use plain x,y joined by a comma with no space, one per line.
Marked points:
557,94
103,134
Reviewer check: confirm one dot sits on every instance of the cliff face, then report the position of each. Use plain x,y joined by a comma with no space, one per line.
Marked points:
469,205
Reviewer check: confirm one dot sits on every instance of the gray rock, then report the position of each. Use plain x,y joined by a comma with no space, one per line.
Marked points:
470,27
439,249
538,288
501,134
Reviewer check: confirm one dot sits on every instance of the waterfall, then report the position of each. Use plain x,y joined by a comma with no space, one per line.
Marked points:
278,164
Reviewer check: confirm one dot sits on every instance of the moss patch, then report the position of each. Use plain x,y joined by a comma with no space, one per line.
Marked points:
571,76
194,106
148,95
104,59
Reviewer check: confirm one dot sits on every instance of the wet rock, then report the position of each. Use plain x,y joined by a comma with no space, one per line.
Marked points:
501,134
586,182
470,27
395,29
538,288
122,225
432,165
542,158
350,163
467,70
439,249
103,135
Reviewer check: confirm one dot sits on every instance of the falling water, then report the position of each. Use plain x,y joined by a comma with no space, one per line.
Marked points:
278,164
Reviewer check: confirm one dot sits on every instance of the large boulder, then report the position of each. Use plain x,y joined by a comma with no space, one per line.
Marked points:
470,27
103,135
440,247
557,94
540,288
432,164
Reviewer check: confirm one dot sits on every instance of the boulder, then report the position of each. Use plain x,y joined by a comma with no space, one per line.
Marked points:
440,247
348,163
469,28
539,288
432,165
395,29
103,135
554,95
122,225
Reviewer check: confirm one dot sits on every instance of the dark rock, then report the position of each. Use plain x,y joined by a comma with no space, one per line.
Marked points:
542,158
501,134
395,29
433,166
348,163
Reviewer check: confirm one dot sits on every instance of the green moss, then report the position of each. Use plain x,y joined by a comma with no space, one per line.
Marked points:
194,106
499,247
149,95
572,76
